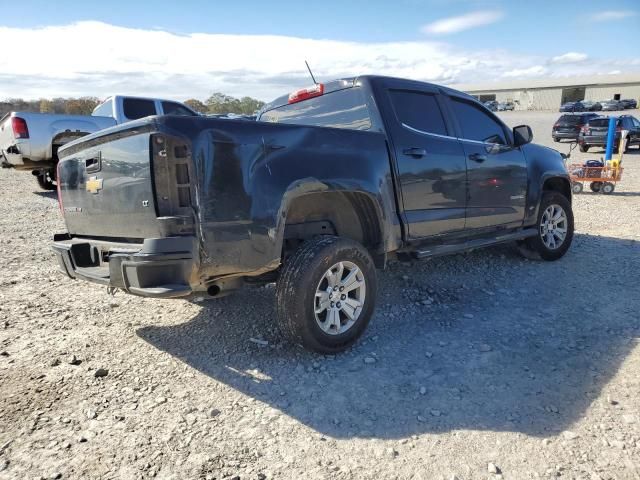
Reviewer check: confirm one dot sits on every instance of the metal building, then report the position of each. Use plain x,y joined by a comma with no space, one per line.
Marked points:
550,93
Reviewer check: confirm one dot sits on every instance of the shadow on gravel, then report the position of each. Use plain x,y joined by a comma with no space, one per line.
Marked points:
614,194
506,345
49,194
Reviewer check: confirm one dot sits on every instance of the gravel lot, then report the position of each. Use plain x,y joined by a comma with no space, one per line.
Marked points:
475,366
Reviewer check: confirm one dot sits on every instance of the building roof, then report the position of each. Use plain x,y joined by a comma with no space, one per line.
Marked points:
553,82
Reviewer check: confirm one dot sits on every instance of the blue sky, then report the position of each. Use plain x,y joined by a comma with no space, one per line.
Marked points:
446,41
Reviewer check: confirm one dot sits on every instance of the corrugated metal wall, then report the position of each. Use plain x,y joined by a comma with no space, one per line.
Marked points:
550,98
606,92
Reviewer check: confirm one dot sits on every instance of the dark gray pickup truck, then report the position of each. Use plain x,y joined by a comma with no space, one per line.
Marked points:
327,185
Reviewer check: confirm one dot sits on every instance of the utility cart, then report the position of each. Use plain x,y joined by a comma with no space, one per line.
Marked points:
601,178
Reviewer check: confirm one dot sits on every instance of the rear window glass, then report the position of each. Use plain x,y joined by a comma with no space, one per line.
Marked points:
418,110
342,109
572,119
600,122
173,108
135,108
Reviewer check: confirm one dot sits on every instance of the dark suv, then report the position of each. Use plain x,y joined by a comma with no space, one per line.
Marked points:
569,126
594,133
572,107
629,103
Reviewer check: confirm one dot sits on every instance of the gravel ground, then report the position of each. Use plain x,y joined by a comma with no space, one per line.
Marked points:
475,366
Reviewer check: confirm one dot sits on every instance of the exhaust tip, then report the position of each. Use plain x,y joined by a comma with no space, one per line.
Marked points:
213,290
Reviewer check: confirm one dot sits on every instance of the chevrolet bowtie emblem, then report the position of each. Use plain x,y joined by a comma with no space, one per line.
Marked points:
94,185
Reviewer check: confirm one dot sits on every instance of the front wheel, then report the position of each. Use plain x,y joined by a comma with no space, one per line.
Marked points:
577,187
555,228
326,294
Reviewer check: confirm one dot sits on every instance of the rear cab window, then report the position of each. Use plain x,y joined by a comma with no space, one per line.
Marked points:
418,111
135,108
346,108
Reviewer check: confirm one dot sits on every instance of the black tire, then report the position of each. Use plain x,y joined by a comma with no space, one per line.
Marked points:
556,139
577,187
595,186
535,245
607,188
45,182
302,275
584,148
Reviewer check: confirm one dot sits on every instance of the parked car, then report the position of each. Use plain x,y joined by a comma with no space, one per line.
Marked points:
30,141
628,103
591,106
572,107
505,106
568,126
594,133
491,105
611,105
308,196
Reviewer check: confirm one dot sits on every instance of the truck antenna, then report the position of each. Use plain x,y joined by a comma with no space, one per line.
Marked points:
311,73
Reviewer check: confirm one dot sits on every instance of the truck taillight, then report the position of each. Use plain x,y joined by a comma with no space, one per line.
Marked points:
171,158
58,182
19,126
306,93
585,129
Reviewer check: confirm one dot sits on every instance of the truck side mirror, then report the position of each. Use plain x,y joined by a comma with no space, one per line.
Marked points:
522,134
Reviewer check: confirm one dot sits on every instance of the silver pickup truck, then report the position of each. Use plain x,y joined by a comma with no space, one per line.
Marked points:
30,141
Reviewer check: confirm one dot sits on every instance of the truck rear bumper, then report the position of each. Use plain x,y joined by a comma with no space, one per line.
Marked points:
159,267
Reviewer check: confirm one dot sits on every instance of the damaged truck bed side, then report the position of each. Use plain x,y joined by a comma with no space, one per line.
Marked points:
329,183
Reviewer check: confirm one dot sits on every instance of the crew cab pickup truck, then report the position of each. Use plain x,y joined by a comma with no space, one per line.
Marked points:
30,141
327,185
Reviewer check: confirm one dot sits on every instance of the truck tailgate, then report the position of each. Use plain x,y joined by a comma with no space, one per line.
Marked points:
106,187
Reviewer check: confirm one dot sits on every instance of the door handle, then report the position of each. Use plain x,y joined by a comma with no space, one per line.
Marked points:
93,164
476,157
415,152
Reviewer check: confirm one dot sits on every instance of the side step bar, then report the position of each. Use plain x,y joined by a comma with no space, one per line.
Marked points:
437,250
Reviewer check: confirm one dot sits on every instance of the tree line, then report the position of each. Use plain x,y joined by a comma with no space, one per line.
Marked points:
217,103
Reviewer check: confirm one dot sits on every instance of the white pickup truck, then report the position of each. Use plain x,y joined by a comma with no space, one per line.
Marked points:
30,141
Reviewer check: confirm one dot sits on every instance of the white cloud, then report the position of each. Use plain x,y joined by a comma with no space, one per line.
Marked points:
570,57
107,60
534,71
610,15
462,22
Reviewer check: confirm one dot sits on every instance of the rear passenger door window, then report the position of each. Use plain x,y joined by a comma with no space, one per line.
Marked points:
477,124
418,111
135,108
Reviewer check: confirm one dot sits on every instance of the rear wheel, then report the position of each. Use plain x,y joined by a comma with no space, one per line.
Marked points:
555,229
595,186
556,139
584,148
326,294
45,181
608,187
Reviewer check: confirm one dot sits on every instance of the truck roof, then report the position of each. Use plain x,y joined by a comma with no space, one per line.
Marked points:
349,82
